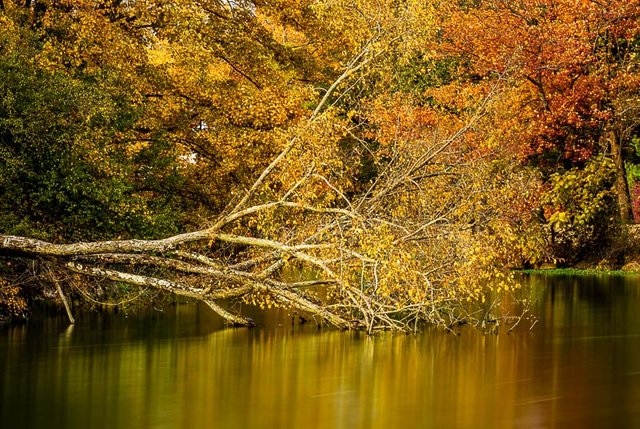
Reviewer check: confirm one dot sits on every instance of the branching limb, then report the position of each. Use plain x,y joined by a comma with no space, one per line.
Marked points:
229,317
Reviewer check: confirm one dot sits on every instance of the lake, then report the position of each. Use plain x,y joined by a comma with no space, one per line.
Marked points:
579,367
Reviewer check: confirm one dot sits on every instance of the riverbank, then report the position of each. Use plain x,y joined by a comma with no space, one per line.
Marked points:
579,272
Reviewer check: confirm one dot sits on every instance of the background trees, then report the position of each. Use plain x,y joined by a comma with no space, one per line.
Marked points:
573,94
67,170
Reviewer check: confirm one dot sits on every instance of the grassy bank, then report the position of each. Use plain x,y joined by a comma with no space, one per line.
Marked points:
578,272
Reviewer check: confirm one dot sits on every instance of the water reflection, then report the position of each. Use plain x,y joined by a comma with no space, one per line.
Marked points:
579,367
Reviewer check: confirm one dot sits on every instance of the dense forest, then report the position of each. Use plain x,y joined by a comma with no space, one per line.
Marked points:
376,165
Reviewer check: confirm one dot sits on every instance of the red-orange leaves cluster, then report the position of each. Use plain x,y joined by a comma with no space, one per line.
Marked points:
566,61
396,118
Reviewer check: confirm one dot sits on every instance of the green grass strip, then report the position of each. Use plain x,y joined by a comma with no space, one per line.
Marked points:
578,272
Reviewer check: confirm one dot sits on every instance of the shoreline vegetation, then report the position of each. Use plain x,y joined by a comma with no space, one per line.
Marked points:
371,165
577,272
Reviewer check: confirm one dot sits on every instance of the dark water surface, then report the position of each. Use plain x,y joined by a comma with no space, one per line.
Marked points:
578,368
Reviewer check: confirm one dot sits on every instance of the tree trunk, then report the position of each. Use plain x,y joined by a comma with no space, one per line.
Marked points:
622,186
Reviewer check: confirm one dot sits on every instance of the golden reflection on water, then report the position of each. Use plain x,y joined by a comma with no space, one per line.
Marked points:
580,368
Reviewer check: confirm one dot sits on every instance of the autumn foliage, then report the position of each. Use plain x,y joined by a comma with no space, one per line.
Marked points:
402,155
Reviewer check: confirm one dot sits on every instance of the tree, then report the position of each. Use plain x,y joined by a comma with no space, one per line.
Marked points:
573,66
65,173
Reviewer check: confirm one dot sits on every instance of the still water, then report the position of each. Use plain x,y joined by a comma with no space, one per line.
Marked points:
578,368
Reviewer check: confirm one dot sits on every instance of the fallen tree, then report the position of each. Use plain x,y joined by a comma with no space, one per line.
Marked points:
377,261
